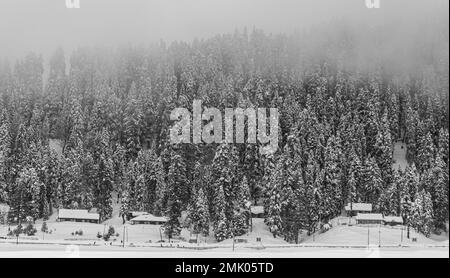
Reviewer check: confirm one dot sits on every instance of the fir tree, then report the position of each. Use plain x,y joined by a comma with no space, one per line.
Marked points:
371,181
199,213
425,154
176,182
332,193
422,213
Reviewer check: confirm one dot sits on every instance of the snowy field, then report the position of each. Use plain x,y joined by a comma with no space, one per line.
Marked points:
400,156
61,232
342,240
72,251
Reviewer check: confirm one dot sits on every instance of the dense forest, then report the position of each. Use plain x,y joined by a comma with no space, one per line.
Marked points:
107,111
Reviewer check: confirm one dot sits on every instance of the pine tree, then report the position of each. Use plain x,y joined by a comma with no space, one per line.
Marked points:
221,231
76,125
133,123
4,155
439,192
268,168
411,133
44,227
443,145
393,115
124,204
425,153
411,180
383,152
422,213
51,177
332,190
26,196
199,213
308,197
372,123
372,183
252,169
68,191
241,205
355,173
176,182
224,175
273,214
104,178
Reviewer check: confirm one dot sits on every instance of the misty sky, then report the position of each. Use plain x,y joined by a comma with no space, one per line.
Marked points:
44,25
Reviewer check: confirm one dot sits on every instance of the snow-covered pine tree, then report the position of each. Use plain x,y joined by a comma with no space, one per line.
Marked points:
393,115
439,179
88,172
425,153
69,189
383,151
176,181
5,142
411,179
124,204
26,196
444,145
252,169
52,177
160,190
76,124
268,169
221,230
372,122
199,213
133,123
242,203
225,178
411,130
372,183
104,178
274,208
389,201
422,213
332,188
355,172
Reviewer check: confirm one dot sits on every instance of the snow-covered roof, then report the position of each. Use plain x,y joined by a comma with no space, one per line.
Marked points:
358,207
137,213
4,208
149,217
257,209
369,216
77,214
393,219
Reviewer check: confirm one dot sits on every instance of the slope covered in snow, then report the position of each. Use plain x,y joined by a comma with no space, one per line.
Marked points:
364,235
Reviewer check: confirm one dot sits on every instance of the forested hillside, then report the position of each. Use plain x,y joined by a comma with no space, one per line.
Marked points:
340,116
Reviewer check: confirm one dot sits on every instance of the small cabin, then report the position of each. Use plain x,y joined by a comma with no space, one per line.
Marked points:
132,214
393,220
257,211
78,215
353,209
369,218
148,219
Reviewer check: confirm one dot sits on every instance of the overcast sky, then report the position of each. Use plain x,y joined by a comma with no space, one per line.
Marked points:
43,25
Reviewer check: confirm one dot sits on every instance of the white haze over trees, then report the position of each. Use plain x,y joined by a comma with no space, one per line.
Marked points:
348,82
44,25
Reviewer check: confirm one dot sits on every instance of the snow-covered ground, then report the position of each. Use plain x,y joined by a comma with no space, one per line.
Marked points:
11,250
400,156
357,235
344,239
136,234
141,241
